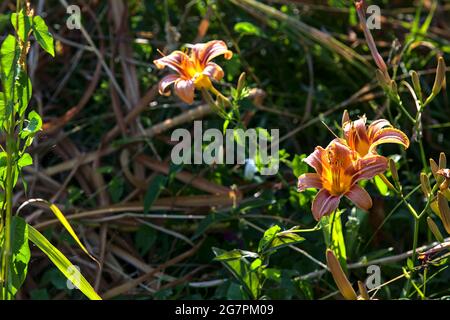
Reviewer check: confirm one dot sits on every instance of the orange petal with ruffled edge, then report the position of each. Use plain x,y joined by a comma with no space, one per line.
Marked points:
213,71
165,83
324,204
317,159
376,126
205,52
355,133
185,90
369,166
389,135
359,197
309,180
176,61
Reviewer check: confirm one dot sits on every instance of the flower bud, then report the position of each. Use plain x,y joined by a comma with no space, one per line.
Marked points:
442,161
434,168
393,86
425,184
434,230
241,82
445,173
382,80
339,277
394,171
444,210
440,76
345,117
364,295
416,83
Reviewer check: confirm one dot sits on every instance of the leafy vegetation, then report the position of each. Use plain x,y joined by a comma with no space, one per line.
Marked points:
87,125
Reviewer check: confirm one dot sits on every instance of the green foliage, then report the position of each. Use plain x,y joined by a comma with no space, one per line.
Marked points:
20,253
43,36
62,263
252,275
153,191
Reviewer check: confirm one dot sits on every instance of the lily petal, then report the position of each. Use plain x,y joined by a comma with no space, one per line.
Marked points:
389,135
185,90
166,82
213,71
175,61
359,197
370,166
317,159
309,180
324,204
376,126
356,135
205,52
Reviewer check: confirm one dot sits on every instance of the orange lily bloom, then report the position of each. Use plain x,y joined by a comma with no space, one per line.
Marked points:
364,139
194,70
338,170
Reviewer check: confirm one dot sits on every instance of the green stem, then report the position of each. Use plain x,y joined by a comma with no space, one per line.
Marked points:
415,237
422,156
6,250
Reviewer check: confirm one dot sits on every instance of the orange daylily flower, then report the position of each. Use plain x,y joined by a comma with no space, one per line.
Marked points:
364,139
338,170
194,70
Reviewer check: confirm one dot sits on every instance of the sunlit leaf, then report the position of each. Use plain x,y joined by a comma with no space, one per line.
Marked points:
9,54
60,216
336,243
62,263
235,254
247,28
240,268
34,124
25,160
22,24
43,36
20,253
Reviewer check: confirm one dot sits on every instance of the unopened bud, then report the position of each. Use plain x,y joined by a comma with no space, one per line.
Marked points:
241,82
345,117
382,80
440,76
393,86
434,168
445,173
425,184
363,294
444,210
434,230
339,277
394,171
442,161
416,83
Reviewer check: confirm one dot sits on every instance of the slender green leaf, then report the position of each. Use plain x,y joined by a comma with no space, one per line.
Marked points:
62,263
153,191
235,254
